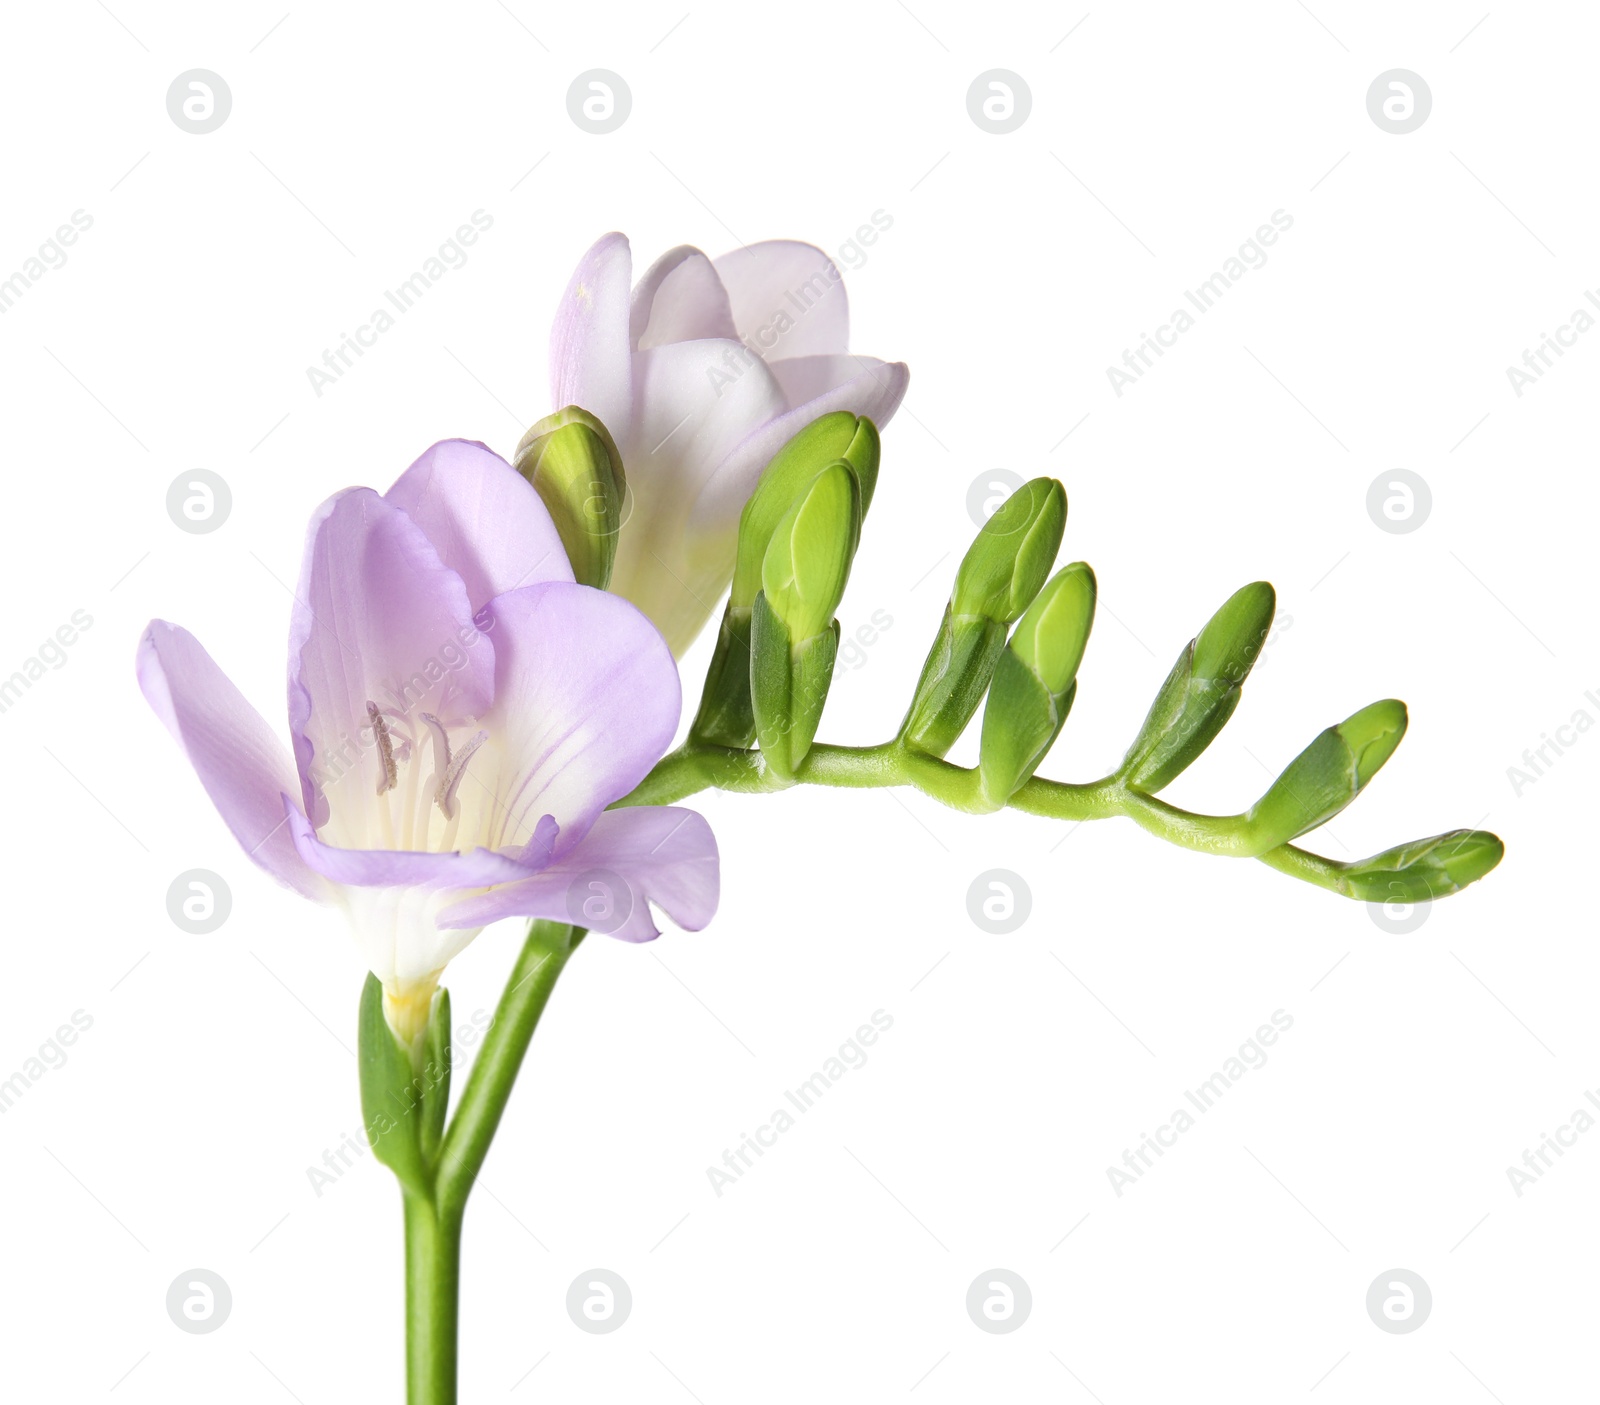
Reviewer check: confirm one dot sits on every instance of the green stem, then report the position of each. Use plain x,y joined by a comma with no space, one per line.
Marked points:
698,766
433,1269
483,1102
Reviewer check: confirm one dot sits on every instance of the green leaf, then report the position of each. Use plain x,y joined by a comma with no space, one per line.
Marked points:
389,1098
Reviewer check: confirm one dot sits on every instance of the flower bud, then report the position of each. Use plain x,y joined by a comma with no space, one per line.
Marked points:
1034,683
1013,554
794,468
573,464
794,636
1426,868
808,559
726,717
997,580
1202,690
1329,773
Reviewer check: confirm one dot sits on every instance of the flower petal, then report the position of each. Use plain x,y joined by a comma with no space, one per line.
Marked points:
788,298
409,868
243,766
680,298
631,858
483,517
694,403
586,702
379,619
589,351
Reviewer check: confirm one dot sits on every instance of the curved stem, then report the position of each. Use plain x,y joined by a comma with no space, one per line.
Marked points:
466,1142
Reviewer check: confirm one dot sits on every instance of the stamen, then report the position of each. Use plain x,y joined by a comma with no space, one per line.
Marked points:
380,730
457,768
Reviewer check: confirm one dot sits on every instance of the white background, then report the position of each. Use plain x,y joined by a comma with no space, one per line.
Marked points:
217,1069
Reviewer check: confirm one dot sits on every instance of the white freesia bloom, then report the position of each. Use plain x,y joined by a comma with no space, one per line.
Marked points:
701,372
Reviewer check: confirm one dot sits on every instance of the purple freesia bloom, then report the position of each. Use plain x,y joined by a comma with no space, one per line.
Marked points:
461,715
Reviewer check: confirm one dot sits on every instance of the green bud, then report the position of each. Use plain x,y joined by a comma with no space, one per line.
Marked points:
573,464
1054,631
1202,690
1425,869
808,559
1011,557
955,677
1330,773
788,686
1034,683
825,441
997,580
726,716
794,637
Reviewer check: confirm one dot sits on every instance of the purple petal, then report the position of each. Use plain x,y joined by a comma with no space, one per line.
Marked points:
788,298
630,859
243,766
408,868
378,619
483,517
589,350
586,702
680,298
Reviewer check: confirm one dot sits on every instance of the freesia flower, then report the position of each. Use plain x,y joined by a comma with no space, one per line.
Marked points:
701,373
461,715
